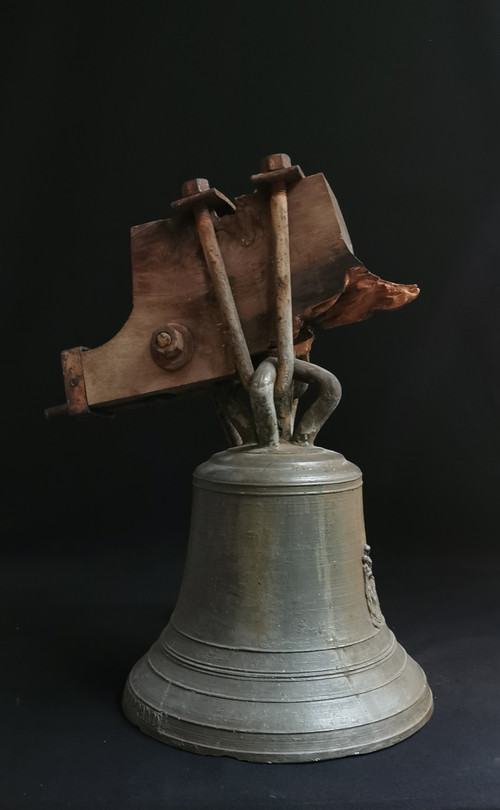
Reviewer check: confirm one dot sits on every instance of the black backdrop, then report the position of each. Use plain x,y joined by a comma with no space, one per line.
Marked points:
108,108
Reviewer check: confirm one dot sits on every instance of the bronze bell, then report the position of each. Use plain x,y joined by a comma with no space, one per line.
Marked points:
277,650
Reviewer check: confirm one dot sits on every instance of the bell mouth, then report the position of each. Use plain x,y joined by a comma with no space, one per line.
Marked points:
305,729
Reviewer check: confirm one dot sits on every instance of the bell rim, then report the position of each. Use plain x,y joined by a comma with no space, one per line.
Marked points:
337,748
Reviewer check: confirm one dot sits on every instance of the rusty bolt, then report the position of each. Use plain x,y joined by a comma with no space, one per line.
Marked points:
170,343
163,339
171,346
277,161
195,186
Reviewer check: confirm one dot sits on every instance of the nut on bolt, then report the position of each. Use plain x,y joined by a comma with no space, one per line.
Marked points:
171,346
195,186
276,161
197,194
276,170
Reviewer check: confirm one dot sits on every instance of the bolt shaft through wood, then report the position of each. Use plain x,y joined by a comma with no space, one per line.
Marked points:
224,294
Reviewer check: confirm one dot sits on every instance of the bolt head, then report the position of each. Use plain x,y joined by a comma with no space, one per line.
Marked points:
195,186
163,339
277,161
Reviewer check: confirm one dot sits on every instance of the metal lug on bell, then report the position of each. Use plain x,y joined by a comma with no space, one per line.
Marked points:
277,650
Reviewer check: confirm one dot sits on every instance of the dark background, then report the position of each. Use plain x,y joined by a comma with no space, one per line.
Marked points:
107,109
